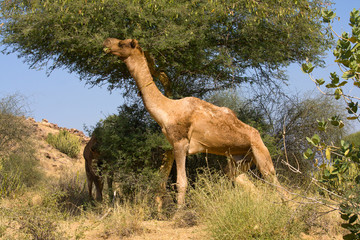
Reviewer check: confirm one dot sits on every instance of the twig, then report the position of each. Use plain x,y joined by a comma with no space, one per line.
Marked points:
105,215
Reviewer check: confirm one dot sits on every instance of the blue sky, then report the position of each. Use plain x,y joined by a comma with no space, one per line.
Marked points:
63,99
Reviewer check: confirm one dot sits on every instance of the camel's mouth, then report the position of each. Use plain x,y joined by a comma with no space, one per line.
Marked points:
106,50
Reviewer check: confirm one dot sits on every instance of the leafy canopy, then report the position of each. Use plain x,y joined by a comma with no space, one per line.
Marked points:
200,45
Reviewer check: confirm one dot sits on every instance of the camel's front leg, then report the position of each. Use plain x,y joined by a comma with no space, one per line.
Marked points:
180,151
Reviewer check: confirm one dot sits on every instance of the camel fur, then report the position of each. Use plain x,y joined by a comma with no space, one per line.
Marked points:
192,125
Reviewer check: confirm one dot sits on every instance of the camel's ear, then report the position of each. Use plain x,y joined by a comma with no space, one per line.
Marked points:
134,43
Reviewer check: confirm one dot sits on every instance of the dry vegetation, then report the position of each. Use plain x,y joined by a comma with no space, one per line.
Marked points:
56,206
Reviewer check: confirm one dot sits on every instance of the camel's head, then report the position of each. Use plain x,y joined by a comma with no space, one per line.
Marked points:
121,48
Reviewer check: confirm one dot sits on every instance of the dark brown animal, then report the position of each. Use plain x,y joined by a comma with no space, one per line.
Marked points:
95,171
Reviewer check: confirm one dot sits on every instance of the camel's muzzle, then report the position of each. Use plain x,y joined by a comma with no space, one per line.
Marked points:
106,50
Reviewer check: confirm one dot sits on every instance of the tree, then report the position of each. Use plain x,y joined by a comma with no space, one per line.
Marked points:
192,46
339,164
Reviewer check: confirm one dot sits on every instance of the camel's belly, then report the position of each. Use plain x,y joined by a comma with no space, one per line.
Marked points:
219,146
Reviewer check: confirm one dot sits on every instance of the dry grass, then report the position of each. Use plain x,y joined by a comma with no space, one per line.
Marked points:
231,213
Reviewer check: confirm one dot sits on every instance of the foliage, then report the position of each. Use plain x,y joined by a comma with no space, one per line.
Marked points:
200,45
339,164
18,166
231,213
65,142
18,171
14,130
132,144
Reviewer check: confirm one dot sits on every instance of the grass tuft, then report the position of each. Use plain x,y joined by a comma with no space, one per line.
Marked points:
65,142
231,213
17,171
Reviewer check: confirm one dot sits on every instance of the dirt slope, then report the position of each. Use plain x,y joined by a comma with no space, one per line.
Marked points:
52,160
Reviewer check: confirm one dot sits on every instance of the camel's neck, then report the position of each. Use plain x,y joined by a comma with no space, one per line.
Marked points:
154,101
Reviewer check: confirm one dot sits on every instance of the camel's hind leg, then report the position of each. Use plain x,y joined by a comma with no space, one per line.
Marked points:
89,180
180,151
236,170
165,169
262,158
99,184
110,180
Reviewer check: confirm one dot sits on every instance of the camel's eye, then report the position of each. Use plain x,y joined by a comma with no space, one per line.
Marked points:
120,44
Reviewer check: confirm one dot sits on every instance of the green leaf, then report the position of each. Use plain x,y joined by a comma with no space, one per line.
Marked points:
334,78
342,83
338,93
330,85
348,74
353,218
322,125
307,67
345,216
309,154
327,15
315,139
350,236
346,226
320,81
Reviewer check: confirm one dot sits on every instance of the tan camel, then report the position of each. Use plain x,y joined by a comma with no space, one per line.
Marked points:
94,170
192,125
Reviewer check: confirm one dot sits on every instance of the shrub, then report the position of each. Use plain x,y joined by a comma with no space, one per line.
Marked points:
14,130
231,213
65,142
17,171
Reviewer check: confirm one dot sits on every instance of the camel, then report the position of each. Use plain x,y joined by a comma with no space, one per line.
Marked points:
192,125
94,170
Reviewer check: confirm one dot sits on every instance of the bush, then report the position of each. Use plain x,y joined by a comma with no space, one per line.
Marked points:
15,132
231,213
17,171
65,142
